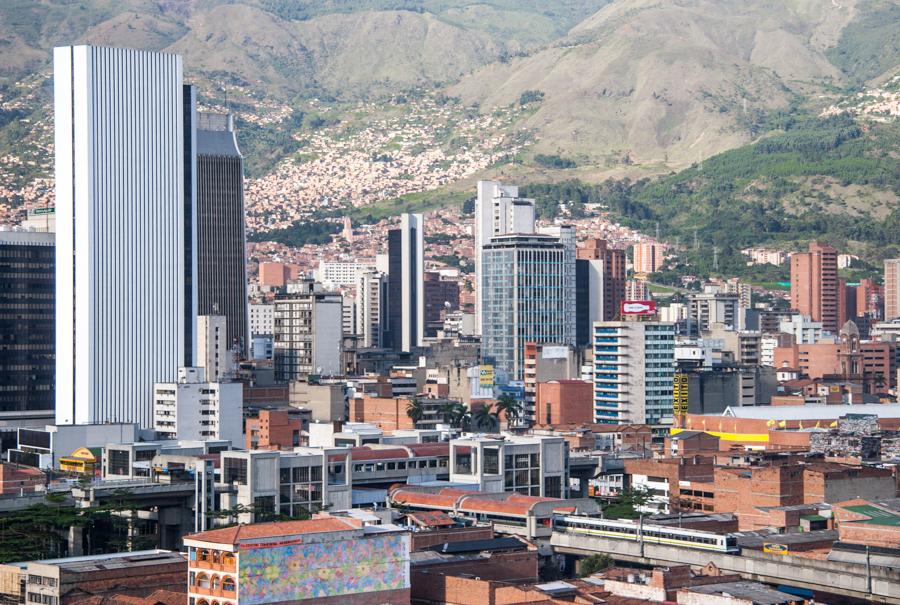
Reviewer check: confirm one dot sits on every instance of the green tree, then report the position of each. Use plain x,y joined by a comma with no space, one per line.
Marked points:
593,564
627,504
508,405
414,410
485,418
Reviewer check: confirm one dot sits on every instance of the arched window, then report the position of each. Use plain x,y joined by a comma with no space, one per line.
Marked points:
203,555
202,602
228,558
228,583
202,580
215,583
215,556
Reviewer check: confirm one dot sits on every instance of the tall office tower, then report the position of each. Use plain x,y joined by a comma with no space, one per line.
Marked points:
613,274
634,368
221,241
846,302
498,211
529,296
589,289
213,347
814,284
308,333
649,257
406,283
891,289
371,291
125,205
27,310
710,308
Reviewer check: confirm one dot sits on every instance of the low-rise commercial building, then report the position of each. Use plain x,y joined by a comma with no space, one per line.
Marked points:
194,408
327,560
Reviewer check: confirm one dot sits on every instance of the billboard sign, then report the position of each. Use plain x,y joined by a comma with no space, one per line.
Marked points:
486,375
638,307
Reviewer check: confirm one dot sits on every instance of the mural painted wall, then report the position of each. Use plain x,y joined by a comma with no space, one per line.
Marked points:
324,569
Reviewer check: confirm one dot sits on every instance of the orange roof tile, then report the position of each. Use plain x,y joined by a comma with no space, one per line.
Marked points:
234,535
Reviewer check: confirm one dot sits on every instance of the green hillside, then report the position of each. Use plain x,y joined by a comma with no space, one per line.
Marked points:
784,190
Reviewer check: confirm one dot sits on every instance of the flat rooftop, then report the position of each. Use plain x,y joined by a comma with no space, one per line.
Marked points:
115,561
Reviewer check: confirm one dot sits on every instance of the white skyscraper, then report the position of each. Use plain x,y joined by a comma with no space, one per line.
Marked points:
498,211
371,287
126,244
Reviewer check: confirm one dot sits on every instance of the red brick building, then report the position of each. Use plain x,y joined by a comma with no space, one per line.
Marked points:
564,402
272,430
814,284
277,274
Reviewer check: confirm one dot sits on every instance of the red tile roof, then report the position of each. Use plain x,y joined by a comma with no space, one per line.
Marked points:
429,449
434,518
478,505
234,535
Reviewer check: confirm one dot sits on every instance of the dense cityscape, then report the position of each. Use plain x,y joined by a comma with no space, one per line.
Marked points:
314,386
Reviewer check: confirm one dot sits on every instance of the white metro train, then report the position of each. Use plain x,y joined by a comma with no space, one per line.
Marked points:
650,534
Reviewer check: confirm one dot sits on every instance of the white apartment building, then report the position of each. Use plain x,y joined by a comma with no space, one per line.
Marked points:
804,330
308,333
194,409
371,290
333,274
262,320
634,369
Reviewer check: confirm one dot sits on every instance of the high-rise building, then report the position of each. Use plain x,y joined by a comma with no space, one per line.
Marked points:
649,257
814,284
213,351
709,308
348,314
441,297
589,290
371,291
195,407
847,296
27,311
308,333
634,369
529,296
125,206
613,274
406,283
221,241
891,289
498,211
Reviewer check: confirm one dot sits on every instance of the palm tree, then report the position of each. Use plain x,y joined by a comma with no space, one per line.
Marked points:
448,411
414,410
485,418
509,406
460,418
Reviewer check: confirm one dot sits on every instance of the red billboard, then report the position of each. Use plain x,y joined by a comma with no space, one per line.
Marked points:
638,307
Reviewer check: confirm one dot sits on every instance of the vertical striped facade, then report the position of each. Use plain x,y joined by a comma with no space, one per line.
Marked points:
221,253
125,306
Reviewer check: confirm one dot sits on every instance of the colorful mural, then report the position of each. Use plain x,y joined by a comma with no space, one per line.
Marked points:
324,569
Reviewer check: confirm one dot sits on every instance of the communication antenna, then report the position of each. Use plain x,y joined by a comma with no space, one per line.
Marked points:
696,242
716,258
